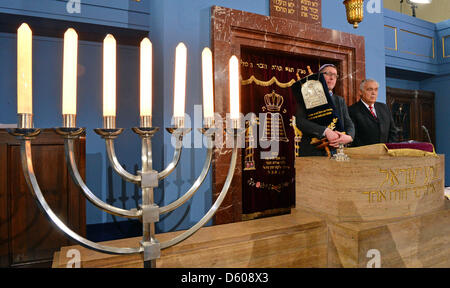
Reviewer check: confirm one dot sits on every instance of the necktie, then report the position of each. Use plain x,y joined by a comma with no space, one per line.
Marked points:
371,111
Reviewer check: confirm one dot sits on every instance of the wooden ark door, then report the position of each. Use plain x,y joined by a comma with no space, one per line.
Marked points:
413,112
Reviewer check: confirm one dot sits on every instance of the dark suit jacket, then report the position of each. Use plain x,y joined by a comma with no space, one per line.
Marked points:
314,130
370,130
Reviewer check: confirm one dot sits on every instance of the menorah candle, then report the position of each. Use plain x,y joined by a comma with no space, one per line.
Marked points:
234,90
69,108
180,84
146,83
24,76
208,90
109,82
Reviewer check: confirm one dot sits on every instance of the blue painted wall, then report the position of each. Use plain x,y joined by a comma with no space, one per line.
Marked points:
403,84
119,13
421,61
170,22
334,17
417,47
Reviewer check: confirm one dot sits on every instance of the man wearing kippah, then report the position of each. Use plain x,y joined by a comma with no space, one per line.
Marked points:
312,129
329,71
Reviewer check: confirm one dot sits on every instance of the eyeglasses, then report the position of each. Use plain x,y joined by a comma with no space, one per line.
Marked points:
332,75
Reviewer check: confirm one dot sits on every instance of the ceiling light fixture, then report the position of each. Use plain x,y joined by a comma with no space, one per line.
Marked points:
421,1
355,11
413,5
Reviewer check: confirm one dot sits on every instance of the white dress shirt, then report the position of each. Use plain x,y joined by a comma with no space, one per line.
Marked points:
367,106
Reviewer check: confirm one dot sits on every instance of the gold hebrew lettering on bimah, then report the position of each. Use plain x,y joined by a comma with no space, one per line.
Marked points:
398,194
315,4
291,11
431,173
410,175
401,194
305,8
314,10
291,4
391,176
314,16
425,190
385,195
304,14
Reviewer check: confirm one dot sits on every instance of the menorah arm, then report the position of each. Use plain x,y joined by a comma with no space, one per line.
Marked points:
178,134
73,169
30,177
116,165
212,210
198,182
172,165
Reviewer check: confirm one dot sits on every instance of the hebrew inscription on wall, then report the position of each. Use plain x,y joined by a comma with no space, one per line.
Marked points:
309,11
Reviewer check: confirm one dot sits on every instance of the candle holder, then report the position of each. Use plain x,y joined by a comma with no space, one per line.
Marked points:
146,121
69,120
25,121
340,155
109,122
147,179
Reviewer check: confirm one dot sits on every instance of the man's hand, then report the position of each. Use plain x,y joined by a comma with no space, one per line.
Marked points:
331,135
342,138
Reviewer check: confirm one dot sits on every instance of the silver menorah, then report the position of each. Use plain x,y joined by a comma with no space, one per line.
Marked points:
147,178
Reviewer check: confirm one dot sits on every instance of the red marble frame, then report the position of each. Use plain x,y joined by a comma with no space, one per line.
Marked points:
231,30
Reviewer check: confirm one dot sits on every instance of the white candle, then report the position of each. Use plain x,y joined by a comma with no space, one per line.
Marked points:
109,76
70,72
180,81
24,70
146,78
234,87
208,90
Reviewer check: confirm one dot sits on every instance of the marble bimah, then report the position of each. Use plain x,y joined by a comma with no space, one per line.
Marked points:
382,209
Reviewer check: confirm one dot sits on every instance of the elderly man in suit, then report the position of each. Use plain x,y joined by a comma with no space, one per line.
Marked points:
373,120
311,129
